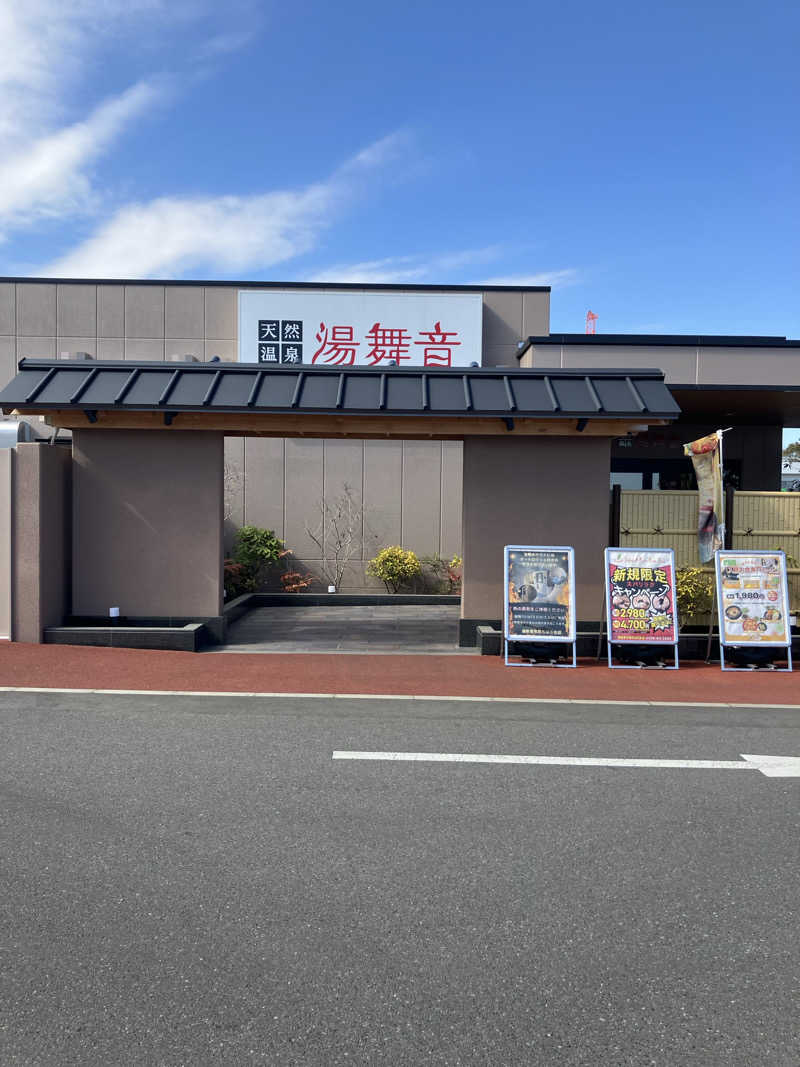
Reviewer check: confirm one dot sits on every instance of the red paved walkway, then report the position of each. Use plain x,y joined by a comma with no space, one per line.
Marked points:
63,666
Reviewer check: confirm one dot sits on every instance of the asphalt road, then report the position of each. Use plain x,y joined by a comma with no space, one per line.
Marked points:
194,880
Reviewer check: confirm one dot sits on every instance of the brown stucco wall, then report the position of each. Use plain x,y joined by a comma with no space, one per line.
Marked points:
7,457
548,491
147,523
41,539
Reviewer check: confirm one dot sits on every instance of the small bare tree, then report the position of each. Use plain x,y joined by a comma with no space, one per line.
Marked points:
337,534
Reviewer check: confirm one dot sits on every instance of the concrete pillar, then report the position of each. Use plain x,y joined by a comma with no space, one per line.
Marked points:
148,523
532,491
41,539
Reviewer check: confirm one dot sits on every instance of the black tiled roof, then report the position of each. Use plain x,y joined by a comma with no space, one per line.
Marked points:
89,385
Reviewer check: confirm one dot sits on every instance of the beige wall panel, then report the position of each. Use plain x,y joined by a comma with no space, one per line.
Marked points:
383,475
36,347
7,456
77,344
8,315
535,314
77,310
144,311
226,350
221,313
452,477
502,319
263,465
8,360
148,523
344,471
354,580
234,488
36,309
110,348
184,346
504,356
184,313
303,492
544,356
422,487
139,348
551,491
678,364
111,311
747,366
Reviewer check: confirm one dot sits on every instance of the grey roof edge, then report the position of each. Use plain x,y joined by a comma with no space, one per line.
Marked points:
228,284
658,340
333,371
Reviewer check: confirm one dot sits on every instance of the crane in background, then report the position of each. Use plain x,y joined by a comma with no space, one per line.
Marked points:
591,319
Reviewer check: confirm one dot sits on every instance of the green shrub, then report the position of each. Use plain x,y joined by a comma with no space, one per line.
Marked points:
444,576
394,566
255,552
694,589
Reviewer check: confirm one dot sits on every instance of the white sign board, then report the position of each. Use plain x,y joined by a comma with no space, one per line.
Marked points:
752,598
362,328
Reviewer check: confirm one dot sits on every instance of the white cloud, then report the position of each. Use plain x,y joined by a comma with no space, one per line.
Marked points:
49,176
229,234
45,46
48,145
375,271
439,269
556,279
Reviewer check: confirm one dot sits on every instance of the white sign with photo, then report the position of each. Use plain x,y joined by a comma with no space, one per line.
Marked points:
360,328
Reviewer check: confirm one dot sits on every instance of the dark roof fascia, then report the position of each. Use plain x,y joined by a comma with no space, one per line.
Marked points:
335,371
660,340
692,387
351,286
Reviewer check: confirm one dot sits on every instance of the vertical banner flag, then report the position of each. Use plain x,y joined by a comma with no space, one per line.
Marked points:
640,595
540,593
753,598
705,458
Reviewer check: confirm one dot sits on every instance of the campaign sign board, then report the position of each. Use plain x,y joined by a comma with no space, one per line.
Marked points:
359,328
753,598
540,593
640,595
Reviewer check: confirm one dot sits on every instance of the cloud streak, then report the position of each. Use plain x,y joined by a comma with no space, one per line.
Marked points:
229,234
442,269
49,177
48,149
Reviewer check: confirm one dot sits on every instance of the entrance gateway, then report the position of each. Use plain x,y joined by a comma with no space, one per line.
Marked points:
147,465
189,381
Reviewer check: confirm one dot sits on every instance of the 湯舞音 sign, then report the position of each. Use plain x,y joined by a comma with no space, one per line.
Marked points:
360,328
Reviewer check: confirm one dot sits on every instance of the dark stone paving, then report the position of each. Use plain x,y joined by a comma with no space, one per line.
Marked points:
383,628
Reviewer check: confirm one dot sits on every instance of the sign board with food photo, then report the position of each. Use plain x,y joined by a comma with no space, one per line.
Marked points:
640,597
539,595
753,598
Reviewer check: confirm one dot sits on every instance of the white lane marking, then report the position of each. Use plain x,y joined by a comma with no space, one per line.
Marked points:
772,766
393,696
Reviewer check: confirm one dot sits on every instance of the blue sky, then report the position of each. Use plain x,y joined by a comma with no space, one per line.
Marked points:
642,159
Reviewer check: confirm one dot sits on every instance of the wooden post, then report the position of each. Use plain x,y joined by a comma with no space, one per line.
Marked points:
730,494
614,518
